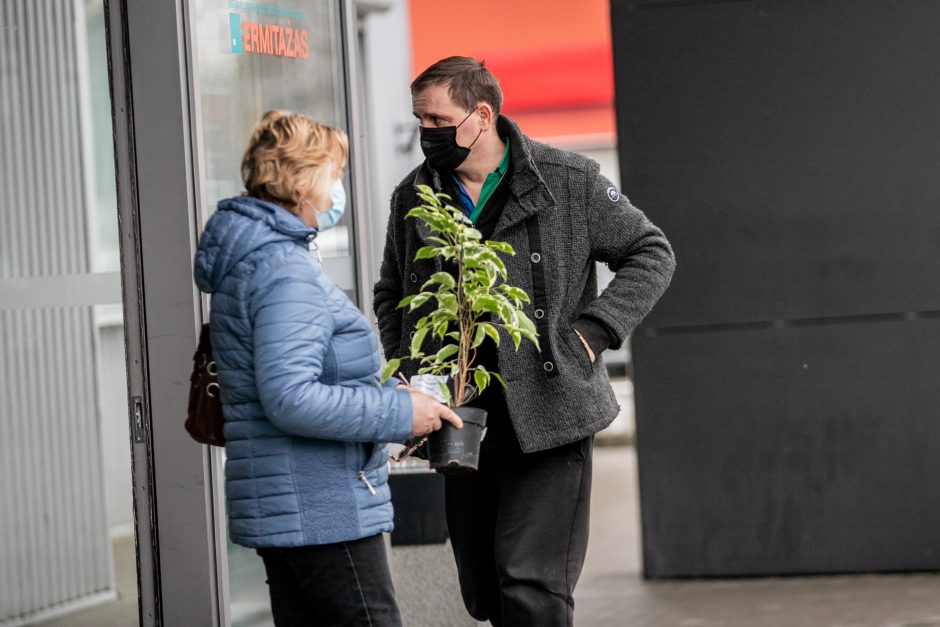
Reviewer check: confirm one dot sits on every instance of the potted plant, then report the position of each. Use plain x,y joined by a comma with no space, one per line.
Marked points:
471,306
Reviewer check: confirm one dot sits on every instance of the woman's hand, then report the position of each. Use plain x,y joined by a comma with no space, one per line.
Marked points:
427,414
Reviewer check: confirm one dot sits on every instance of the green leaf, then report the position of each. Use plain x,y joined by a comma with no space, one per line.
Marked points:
501,268
418,340
502,247
426,252
389,369
515,293
470,253
489,255
440,329
495,272
516,337
486,304
508,313
446,352
405,301
473,234
491,331
471,292
498,378
477,277
445,392
420,299
439,316
527,328
422,322
431,199
448,252
418,212
482,378
458,216
441,225
448,302
453,335
532,337
444,279
479,335
524,323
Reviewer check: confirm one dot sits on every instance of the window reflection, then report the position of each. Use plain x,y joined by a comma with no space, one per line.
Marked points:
251,57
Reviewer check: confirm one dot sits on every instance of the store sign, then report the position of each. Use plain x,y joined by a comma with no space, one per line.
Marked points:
251,36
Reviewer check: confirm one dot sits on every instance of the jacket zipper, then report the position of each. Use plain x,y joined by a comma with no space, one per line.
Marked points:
365,480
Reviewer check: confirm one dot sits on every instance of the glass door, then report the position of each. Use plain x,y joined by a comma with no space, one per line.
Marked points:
249,58
67,536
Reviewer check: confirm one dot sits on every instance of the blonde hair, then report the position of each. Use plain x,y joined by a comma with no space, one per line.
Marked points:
287,155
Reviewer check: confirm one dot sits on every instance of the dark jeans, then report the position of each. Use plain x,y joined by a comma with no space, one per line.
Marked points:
519,528
347,583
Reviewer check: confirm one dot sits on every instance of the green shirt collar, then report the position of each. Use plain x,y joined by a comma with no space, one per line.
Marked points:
504,162
490,183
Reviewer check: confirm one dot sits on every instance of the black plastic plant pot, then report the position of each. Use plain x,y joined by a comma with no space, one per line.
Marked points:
452,450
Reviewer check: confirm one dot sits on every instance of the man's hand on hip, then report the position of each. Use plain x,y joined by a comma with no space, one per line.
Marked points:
586,346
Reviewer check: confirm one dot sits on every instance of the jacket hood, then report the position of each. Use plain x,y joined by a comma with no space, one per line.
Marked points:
240,226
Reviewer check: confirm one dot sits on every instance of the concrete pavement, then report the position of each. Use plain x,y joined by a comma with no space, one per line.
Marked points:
612,593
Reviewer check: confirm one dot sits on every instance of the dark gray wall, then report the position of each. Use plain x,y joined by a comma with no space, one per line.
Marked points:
788,412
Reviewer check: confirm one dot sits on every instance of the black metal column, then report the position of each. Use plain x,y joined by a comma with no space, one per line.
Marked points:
788,383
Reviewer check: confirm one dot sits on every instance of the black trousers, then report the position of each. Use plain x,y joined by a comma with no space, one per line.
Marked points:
519,528
347,583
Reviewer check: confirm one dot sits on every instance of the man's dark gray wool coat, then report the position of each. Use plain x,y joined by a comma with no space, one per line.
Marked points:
581,218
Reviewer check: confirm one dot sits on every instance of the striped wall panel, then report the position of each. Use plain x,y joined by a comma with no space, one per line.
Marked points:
54,545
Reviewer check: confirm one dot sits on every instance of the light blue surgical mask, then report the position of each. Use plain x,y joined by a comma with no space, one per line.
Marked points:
328,219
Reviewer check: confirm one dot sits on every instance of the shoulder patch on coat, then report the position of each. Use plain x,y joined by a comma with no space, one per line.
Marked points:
613,194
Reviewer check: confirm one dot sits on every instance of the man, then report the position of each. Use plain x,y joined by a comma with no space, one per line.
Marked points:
519,525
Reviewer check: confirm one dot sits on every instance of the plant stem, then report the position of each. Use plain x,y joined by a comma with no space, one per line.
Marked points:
459,380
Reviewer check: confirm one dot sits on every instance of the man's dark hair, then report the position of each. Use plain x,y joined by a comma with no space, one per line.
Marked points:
468,82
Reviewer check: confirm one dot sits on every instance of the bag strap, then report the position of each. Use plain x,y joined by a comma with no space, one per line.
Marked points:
205,343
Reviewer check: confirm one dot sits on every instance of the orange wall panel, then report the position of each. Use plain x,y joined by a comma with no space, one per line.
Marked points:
441,28
552,57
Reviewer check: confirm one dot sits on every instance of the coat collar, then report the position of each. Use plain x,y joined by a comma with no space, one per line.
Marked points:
530,194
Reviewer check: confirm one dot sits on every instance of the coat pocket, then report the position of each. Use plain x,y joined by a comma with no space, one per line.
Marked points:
374,455
578,352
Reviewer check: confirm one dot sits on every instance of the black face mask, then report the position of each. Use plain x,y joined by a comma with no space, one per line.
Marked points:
440,147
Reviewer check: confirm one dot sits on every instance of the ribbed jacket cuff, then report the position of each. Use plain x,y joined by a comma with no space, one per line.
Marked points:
596,333
403,415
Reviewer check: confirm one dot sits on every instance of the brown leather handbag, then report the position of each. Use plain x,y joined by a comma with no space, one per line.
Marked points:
204,416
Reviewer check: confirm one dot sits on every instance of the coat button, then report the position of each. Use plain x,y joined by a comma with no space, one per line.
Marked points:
413,277
549,366
536,257
539,314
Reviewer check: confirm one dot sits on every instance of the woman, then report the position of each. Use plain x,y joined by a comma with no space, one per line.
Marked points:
305,416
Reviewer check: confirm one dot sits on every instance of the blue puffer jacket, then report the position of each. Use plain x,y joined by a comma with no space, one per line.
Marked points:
305,416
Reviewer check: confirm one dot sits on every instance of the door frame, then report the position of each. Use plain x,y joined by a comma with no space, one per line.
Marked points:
173,505
179,518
